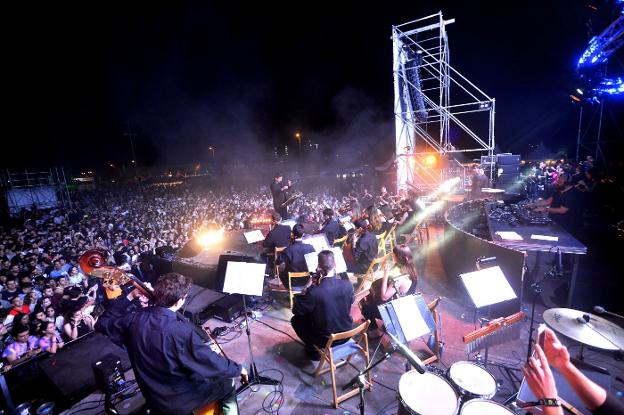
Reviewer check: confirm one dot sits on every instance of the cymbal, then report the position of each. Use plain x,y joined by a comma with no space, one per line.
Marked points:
597,332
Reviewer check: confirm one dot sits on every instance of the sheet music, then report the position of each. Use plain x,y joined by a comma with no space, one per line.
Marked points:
291,223
312,260
545,238
244,278
509,236
318,242
488,286
254,236
412,322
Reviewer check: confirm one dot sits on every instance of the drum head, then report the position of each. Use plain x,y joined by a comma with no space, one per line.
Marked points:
484,407
427,394
471,378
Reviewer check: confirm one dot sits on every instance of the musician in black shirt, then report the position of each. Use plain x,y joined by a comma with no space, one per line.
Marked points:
331,227
365,248
176,371
278,191
565,206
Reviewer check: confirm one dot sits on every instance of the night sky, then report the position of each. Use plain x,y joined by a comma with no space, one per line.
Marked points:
243,78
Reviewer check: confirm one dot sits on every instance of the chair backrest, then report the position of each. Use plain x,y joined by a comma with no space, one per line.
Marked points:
298,274
347,334
375,262
340,241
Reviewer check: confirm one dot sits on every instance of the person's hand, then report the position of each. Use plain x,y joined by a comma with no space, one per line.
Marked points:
556,353
540,209
539,376
244,376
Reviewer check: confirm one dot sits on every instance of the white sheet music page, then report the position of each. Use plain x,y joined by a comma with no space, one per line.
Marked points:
254,236
245,278
488,286
412,322
311,260
318,242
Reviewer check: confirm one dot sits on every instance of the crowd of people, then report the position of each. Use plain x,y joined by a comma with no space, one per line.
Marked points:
47,300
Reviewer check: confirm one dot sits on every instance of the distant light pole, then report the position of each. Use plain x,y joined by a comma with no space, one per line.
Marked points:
298,138
131,136
212,150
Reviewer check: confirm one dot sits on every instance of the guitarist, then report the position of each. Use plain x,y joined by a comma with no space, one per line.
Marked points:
278,190
176,371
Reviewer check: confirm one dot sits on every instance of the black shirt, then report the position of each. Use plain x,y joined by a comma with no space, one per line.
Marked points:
572,220
175,369
328,304
279,236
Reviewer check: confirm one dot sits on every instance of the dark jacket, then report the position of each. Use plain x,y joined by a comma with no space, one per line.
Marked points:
328,305
294,256
365,250
279,236
175,369
331,230
279,197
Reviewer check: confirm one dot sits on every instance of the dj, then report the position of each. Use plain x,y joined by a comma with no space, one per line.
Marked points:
176,371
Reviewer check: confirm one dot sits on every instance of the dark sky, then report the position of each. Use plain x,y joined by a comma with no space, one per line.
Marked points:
243,78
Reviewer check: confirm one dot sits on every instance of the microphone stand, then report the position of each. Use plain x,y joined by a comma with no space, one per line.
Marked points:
360,378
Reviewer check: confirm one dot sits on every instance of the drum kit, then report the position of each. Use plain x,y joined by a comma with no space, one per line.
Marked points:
467,388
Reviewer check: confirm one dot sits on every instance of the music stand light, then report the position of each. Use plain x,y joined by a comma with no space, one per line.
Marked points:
487,287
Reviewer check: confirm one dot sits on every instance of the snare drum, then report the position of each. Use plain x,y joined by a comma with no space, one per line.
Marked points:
426,394
472,381
484,407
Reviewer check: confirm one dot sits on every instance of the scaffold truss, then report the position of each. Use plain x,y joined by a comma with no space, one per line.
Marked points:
426,123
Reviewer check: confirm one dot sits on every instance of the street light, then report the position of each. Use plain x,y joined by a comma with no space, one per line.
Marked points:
212,150
298,138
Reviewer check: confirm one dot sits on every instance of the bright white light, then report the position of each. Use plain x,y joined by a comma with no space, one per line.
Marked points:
212,237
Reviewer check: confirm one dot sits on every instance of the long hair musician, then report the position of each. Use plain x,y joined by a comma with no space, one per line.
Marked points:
397,281
176,371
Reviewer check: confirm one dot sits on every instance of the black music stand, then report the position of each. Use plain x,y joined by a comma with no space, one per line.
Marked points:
247,278
487,287
407,318
410,312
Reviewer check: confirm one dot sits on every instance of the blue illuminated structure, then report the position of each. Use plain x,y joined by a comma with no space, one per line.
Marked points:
592,63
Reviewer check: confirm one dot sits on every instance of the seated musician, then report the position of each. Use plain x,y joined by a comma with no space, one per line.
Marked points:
176,371
397,281
364,249
279,235
408,221
323,308
292,259
331,226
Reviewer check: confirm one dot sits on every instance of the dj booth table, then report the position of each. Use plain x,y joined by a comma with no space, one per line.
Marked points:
565,243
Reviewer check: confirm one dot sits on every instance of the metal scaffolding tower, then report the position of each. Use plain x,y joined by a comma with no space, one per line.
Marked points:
424,83
42,189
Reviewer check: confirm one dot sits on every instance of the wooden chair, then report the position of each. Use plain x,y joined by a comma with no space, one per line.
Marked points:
390,238
339,355
340,241
295,290
381,244
276,285
370,273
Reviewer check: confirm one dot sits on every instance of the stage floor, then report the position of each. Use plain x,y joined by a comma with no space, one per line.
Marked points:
279,355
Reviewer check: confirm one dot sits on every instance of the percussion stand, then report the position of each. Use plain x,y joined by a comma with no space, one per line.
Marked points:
537,289
360,378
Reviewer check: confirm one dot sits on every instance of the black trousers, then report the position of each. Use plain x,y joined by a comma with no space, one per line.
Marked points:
370,312
305,331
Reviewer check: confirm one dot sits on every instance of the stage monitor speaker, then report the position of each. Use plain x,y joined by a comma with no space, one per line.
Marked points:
190,249
70,369
198,306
